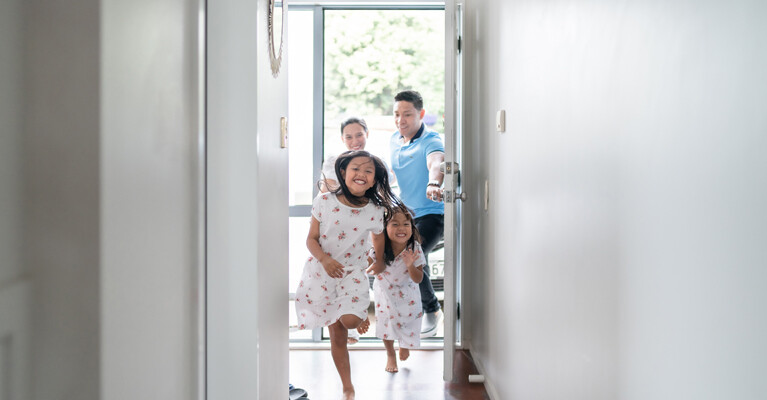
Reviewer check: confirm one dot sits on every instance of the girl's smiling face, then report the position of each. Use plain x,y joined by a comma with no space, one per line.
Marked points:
399,228
359,175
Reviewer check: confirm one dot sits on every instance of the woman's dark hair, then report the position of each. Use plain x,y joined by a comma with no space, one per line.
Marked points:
380,193
389,255
354,120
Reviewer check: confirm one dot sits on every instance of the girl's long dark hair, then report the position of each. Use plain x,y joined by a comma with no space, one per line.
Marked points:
389,255
380,193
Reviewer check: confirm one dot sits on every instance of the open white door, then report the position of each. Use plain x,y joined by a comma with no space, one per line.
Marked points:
452,195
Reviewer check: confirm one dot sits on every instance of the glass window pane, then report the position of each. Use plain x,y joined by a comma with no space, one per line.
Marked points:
298,228
300,106
370,55
300,147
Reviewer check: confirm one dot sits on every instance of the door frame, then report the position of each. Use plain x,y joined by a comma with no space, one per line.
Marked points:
451,183
453,338
318,8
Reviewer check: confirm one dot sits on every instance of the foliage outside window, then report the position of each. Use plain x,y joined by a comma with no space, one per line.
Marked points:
372,55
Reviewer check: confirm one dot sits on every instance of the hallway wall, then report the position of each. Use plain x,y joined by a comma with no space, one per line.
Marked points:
149,187
14,276
102,143
622,255
11,117
247,213
110,153
61,195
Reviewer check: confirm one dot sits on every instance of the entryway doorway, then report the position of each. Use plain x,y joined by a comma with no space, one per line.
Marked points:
351,60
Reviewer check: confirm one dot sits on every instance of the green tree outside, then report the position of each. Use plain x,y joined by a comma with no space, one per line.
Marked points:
370,55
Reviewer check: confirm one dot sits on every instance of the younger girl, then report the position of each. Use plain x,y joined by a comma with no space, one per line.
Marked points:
333,290
398,299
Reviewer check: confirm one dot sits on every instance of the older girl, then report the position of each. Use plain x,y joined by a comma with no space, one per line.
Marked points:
333,290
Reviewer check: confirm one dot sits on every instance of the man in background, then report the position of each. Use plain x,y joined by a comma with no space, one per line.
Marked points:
416,155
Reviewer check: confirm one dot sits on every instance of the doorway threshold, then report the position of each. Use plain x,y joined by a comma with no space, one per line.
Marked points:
426,344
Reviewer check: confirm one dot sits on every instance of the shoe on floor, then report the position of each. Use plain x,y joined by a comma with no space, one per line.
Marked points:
429,324
297,393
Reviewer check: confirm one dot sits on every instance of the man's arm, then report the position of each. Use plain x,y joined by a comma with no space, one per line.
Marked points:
434,188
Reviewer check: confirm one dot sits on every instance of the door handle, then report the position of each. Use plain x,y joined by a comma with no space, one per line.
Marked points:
450,196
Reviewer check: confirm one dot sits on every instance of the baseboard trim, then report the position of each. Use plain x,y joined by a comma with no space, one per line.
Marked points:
364,344
489,387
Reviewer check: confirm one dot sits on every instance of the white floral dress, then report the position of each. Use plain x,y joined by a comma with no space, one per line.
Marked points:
345,236
398,302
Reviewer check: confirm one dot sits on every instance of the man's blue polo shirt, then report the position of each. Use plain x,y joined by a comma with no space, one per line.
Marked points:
408,162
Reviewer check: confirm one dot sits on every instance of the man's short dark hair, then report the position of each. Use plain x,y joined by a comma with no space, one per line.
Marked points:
411,96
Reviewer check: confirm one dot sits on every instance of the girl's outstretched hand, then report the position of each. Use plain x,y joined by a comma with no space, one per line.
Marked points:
408,257
332,267
377,267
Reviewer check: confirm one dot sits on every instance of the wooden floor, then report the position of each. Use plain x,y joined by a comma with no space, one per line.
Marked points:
419,378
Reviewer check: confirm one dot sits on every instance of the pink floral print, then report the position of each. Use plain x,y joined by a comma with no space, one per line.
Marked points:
344,235
398,303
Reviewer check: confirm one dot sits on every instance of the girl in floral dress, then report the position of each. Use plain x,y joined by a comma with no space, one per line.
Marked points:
333,290
398,299
354,135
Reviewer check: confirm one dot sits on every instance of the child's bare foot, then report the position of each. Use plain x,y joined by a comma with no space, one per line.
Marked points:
391,363
348,394
364,326
404,353
353,337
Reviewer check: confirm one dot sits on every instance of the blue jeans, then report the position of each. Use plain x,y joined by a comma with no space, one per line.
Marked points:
431,227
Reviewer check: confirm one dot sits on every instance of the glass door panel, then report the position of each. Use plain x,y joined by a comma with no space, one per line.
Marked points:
346,62
301,140
301,107
369,56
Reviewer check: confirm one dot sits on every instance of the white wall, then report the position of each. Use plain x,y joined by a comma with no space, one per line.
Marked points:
149,193
247,208
232,222
61,195
110,218
11,97
622,255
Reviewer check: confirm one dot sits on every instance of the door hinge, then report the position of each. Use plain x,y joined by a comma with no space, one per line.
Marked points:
459,44
458,311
